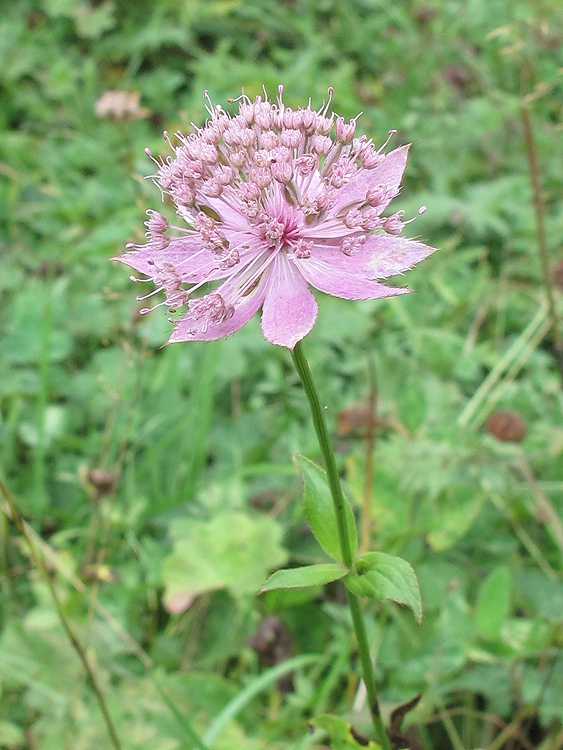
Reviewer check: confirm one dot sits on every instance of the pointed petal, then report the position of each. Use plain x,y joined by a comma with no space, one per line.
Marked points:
385,255
290,308
231,218
331,279
193,263
389,172
190,329
186,255
381,256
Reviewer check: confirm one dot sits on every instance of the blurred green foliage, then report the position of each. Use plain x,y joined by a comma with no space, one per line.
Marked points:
124,456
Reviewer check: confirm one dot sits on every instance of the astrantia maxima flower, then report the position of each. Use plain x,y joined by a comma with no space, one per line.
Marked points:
273,200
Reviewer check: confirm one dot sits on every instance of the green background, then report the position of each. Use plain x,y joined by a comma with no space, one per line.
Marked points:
201,499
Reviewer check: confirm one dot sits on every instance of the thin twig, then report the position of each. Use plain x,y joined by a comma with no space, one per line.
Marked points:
485,717
449,726
370,447
62,569
8,571
474,328
97,568
521,345
510,375
544,511
539,208
520,532
514,729
38,562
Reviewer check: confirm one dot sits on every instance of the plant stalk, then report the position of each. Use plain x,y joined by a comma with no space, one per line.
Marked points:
319,423
539,208
77,646
368,474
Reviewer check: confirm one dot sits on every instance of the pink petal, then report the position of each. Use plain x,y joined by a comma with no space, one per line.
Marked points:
231,218
193,263
381,256
389,172
331,230
290,308
331,279
196,262
189,329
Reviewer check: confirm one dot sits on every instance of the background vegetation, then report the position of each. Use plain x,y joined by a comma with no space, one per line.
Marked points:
159,481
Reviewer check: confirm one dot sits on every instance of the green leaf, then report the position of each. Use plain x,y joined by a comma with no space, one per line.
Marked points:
225,552
543,597
319,509
310,575
493,602
342,735
381,576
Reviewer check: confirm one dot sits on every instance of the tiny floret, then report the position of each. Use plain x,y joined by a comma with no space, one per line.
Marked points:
272,201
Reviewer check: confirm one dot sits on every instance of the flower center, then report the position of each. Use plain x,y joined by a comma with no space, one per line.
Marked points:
279,231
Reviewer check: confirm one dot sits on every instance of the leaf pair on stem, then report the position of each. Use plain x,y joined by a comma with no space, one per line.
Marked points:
375,575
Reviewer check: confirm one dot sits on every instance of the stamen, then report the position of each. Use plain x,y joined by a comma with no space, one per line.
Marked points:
391,134
330,93
241,98
209,108
420,211
159,164
146,310
167,139
139,281
150,294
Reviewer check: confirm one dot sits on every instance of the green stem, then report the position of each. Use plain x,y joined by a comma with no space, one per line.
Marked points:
319,423
38,561
539,208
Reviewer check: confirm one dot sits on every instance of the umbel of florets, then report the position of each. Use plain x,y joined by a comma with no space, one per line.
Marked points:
272,200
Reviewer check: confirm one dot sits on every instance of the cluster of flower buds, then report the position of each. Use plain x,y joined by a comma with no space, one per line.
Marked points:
264,144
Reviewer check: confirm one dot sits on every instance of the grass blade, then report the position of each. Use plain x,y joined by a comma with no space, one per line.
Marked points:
182,720
254,688
201,411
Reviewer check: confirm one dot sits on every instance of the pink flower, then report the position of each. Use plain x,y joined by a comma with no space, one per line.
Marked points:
274,200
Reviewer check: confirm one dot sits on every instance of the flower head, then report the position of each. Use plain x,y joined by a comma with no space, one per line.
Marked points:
273,200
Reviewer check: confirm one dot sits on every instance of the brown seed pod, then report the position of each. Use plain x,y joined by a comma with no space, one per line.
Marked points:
507,425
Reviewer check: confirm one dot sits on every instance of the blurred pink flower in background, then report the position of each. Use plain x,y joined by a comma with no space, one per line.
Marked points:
121,105
274,200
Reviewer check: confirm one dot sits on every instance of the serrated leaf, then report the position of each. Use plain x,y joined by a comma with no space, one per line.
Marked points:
319,509
493,602
310,575
228,551
342,735
382,576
